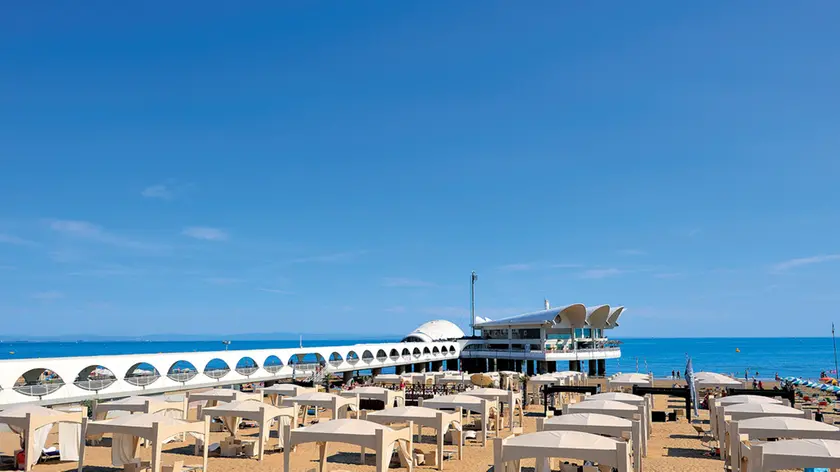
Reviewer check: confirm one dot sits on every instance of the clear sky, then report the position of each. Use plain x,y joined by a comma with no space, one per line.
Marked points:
341,167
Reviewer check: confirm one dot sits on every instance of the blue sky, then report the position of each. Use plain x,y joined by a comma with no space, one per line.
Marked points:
342,167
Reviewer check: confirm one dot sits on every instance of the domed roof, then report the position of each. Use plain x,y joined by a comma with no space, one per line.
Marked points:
436,330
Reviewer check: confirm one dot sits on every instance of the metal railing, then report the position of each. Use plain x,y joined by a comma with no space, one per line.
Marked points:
95,384
37,390
216,373
142,380
246,370
481,352
182,376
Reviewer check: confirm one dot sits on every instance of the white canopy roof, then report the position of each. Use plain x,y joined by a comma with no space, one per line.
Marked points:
617,397
418,414
567,444
286,389
630,379
568,440
602,405
20,411
222,395
248,409
388,397
767,408
465,401
712,379
785,424
804,447
545,379
590,419
731,400
795,454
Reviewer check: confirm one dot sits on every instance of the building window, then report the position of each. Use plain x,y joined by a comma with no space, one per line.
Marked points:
533,333
495,333
587,332
559,336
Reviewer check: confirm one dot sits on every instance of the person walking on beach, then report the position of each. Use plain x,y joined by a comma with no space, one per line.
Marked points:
755,384
678,374
760,385
746,375
673,374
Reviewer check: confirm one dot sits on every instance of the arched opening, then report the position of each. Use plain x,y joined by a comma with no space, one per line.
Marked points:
38,382
94,378
416,353
444,350
272,364
246,366
435,351
336,359
381,356
394,355
142,374
367,356
426,351
306,361
182,371
406,354
452,350
216,369
352,358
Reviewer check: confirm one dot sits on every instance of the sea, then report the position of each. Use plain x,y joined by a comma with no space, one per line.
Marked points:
761,358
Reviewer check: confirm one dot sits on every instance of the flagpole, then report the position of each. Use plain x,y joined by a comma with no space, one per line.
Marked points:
834,340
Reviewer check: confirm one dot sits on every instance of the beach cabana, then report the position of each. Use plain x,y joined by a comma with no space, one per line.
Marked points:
339,406
716,403
440,421
544,445
605,425
737,442
629,380
705,380
140,405
366,434
34,423
480,406
794,454
745,411
220,395
127,431
387,379
389,398
277,392
261,413
612,408
453,379
575,378
536,382
503,397
630,399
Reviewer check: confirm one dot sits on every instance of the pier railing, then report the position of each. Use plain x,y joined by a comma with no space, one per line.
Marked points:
571,355
61,380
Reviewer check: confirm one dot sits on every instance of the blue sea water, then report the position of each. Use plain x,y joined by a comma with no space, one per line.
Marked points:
804,357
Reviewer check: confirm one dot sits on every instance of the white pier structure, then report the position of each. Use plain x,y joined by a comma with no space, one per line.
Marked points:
62,380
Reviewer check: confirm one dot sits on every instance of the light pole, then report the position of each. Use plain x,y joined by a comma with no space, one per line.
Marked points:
473,278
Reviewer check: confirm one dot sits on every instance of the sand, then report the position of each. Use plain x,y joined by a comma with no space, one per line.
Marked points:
673,447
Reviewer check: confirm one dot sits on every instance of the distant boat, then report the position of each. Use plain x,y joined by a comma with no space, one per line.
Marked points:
737,350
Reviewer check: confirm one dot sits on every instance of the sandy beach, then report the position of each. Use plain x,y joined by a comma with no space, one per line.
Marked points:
673,447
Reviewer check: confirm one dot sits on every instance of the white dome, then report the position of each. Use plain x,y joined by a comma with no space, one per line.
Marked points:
436,330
